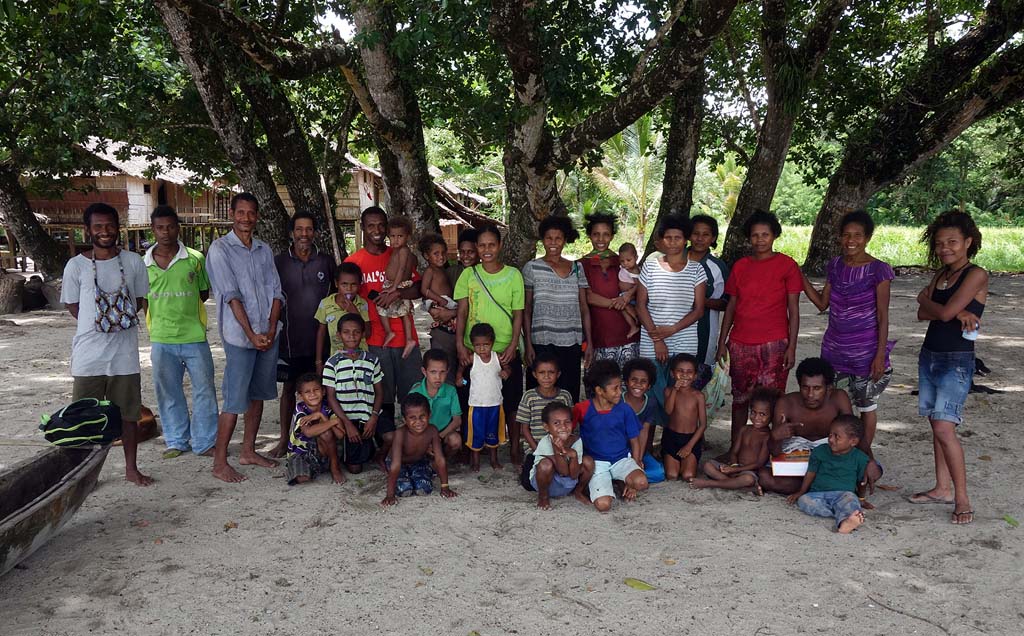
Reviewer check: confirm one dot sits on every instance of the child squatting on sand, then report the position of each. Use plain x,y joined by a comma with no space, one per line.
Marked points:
415,454
749,451
559,466
312,446
610,432
833,472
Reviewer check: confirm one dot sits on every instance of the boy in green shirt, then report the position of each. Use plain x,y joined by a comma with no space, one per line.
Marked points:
346,301
445,412
829,488
176,319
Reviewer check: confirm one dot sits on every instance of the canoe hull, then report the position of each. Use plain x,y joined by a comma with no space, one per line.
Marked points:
41,495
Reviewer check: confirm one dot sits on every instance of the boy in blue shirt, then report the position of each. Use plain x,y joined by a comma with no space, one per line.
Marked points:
610,432
830,487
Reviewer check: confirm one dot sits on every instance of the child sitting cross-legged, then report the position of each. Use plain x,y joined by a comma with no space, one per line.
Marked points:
683,436
748,453
610,432
833,473
415,454
312,448
559,466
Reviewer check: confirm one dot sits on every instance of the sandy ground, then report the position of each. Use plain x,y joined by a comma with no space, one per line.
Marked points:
163,560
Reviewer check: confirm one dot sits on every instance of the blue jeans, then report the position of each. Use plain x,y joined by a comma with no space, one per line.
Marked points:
943,382
838,504
170,361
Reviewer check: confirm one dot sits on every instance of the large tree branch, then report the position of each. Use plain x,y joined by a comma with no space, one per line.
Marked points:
701,26
655,42
297,62
741,81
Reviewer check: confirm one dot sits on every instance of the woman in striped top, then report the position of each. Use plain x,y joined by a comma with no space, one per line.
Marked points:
670,298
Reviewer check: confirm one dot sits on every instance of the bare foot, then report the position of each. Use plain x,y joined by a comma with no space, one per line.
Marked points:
474,465
388,338
580,497
866,505
207,453
410,346
278,451
629,493
543,502
757,490
931,497
228,474
496,465
851,523
700,483
252,458
339,477
137,478
633,331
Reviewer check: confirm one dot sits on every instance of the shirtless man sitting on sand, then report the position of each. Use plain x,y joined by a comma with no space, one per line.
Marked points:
808,413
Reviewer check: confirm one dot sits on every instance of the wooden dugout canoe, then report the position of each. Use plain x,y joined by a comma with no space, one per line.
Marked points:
39,496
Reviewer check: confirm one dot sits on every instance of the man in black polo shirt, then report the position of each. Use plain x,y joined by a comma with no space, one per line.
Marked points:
307,277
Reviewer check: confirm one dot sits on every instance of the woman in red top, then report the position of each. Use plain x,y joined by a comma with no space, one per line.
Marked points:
762,319
607,323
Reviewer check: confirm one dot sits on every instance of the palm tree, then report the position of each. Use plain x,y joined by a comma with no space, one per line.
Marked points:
632,172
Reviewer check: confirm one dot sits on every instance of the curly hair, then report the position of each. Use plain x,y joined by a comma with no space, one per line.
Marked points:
861,218
952,219
401,223
561,223
429,240
709,221
674,222
599,218
762,217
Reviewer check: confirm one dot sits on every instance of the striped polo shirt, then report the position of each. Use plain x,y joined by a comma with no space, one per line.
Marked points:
352,381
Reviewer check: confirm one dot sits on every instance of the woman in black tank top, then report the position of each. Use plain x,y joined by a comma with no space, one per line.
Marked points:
952,303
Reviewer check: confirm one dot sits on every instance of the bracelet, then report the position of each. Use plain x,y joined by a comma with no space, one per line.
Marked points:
444,485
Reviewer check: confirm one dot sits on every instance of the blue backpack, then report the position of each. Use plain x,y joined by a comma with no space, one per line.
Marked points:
85,422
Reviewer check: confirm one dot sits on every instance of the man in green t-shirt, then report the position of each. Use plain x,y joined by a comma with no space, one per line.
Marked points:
176,319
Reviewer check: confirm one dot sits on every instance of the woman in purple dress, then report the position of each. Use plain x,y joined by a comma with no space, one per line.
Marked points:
856,342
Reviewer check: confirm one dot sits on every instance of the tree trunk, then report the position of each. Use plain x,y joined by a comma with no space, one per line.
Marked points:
944,96
533,156
763,174
683,151
49,256
410,187
782,63
208,73
287,144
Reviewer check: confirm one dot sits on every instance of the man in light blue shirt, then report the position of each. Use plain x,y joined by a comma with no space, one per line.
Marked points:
249,301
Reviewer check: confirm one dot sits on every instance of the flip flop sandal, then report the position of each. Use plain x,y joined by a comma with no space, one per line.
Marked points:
172,453
922,498
956,521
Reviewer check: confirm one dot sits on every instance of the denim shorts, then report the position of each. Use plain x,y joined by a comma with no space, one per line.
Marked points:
944,380
249,375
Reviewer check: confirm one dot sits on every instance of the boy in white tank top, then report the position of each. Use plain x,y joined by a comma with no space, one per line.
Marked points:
485,422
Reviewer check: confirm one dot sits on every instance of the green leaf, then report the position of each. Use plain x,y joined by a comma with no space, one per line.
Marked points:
637,584
1010,520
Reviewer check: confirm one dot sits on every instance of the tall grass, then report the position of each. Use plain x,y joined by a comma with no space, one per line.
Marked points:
1002,248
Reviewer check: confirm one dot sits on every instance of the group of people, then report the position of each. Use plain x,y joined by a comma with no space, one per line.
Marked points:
508,350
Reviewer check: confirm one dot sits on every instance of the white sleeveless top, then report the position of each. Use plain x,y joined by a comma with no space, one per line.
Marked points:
485,381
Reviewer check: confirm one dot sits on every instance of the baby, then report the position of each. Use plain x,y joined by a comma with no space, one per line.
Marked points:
629,273
399,276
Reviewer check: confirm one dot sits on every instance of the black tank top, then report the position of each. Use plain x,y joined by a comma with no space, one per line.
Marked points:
948,335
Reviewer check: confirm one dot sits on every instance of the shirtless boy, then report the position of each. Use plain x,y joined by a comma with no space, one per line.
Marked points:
399,276
415,454
683,436
808,413
436,288
748,453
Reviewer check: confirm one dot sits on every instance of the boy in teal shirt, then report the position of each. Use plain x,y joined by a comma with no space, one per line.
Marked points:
834,470
445,412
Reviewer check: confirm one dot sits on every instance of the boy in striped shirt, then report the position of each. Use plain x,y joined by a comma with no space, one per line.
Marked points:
353,379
